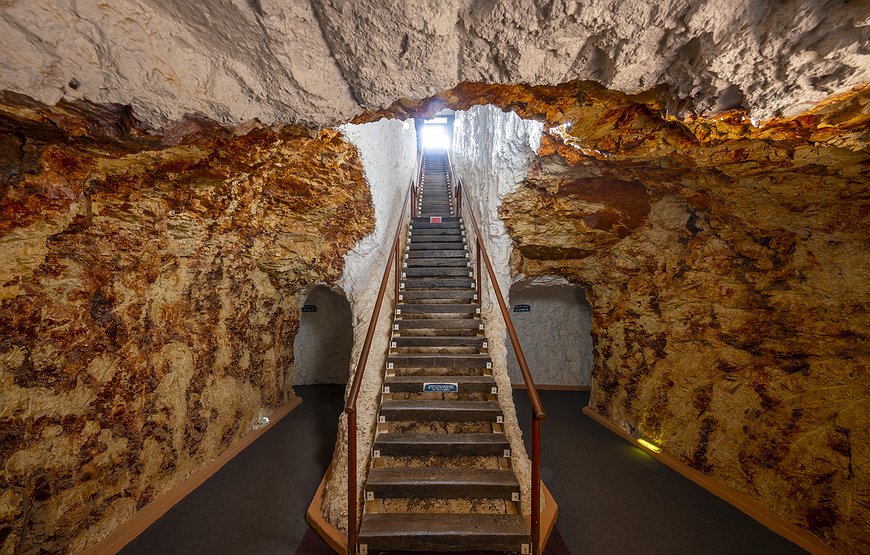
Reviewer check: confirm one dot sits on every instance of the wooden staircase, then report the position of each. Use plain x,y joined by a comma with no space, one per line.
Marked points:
440,477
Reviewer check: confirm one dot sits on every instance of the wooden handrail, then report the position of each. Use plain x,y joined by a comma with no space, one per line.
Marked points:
535,399
353,395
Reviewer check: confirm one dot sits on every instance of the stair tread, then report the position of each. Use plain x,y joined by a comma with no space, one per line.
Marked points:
436,245
439,340
438,409
437,263
438,323
461,380
422,308
439,475
445,531
447,219
440,294
455,356
431,438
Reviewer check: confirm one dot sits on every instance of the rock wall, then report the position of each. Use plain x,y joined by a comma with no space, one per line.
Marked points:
321,348
323,61
555,333
727,268
149,290
388,150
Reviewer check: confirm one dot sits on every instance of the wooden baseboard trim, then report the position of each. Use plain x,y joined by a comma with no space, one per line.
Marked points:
145,517
741,501
337,540
546,387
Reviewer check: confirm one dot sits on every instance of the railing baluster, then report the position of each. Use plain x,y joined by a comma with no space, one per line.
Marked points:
479,276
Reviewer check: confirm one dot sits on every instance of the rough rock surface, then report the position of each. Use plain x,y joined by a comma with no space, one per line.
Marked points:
388,150
324,60
149,292
555,334
727,269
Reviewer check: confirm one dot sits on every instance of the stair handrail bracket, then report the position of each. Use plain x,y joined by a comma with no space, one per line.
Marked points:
538,413
350,407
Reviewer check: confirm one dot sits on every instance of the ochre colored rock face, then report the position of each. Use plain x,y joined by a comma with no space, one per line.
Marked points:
149,287
149,290
728,273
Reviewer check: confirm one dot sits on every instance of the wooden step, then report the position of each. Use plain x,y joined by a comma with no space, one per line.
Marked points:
439,360
449,245
446,219
398,444
442,482
438,323
423,233
449,271
416,239
465,384
439,254
440,294
423,308
445,225
443,532
424,262
437,409
440,341
437,282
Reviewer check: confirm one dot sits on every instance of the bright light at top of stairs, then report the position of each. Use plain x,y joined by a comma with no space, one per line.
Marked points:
435,137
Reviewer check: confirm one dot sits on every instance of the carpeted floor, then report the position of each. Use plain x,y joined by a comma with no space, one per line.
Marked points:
612,497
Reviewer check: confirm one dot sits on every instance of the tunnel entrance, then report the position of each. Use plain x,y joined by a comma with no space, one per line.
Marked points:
323,344
553,322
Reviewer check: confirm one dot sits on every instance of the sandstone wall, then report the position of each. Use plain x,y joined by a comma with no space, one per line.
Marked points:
729,273
149,290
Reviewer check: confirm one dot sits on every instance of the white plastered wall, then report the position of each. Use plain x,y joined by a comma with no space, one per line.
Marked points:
492,151
388,150
555,332
322,345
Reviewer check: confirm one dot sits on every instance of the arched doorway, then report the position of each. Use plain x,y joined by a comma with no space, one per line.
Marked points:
553,322
323,344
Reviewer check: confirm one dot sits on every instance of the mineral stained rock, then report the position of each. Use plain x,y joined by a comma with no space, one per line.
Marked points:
323,61
149,286
729,273
149,290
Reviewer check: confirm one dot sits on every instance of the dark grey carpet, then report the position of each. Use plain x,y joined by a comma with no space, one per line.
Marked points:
612,497
256,503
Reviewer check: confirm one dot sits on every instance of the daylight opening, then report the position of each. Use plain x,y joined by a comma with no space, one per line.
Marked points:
435,135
